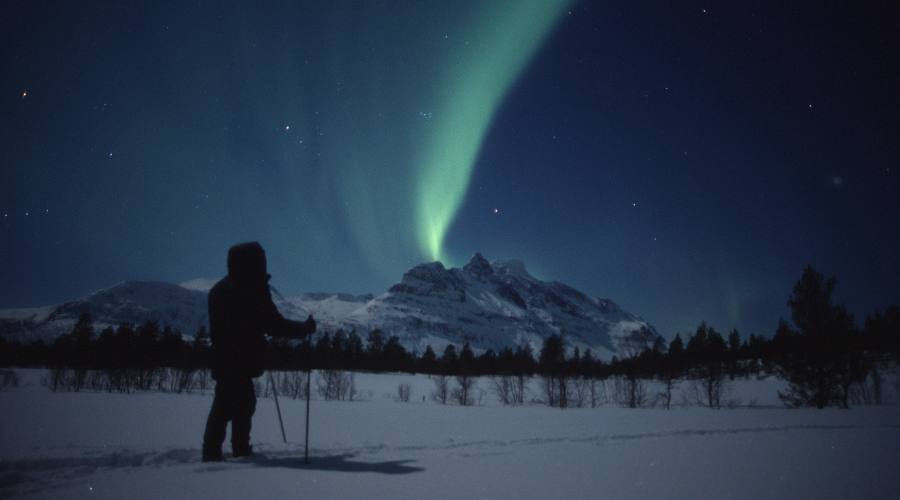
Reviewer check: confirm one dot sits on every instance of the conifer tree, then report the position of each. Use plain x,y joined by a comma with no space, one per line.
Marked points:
822,363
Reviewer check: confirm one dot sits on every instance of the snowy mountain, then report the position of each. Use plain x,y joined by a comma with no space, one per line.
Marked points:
134,302
490,305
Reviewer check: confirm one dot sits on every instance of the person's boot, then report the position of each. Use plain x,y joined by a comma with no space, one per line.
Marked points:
242,451
213,455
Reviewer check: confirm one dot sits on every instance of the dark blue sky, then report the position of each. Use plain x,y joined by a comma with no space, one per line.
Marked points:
684,159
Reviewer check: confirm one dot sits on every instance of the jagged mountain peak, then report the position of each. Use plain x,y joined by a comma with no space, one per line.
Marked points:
478,266
429,278
493,305
425,271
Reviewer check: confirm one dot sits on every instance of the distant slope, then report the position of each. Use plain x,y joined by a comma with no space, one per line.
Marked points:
132,302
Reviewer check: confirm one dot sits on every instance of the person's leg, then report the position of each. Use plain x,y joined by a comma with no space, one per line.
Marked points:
244,408
216,422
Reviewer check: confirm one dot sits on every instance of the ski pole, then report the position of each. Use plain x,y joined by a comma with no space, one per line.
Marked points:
278,407
308,387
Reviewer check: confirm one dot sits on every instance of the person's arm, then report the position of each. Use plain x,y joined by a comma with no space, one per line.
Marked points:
278,326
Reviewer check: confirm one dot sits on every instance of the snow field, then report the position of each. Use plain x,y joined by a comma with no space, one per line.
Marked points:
98,445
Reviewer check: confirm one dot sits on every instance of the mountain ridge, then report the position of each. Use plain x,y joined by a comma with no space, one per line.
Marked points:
491,305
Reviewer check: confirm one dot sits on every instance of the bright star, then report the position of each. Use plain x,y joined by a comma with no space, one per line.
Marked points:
24,94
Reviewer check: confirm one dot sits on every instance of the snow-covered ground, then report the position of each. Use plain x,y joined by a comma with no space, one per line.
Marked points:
97,445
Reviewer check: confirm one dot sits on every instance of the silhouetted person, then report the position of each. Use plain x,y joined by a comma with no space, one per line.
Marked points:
241,312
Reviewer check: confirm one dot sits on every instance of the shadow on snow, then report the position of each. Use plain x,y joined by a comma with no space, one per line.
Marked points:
339,463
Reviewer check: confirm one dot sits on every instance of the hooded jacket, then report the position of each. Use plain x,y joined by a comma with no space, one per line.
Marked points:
241,313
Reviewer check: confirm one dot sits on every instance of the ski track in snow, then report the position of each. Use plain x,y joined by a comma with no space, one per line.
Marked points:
35,475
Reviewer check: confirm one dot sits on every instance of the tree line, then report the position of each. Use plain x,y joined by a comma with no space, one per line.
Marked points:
823,355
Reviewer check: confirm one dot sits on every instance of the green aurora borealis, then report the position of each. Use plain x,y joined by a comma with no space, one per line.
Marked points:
415,112
470,94
385,125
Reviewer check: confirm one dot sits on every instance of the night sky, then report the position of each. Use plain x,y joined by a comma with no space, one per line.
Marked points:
685,159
